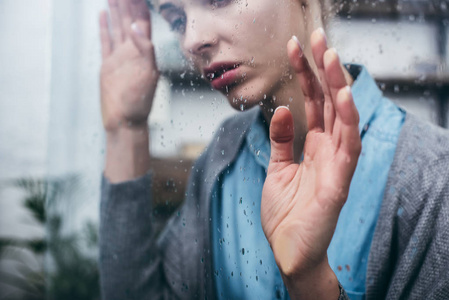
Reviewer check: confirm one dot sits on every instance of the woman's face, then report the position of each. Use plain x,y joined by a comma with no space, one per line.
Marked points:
238,45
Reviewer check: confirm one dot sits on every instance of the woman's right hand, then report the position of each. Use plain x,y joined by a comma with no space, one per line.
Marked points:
128,81
129,73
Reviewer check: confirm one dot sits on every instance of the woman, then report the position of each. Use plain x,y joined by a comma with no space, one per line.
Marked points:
231,239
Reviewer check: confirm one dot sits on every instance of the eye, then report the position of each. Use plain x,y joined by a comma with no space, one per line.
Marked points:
178,24
175,17
219,3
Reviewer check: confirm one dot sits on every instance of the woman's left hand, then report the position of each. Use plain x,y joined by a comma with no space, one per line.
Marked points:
301,202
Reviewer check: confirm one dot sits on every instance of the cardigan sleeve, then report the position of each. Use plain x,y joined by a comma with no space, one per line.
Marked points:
130,262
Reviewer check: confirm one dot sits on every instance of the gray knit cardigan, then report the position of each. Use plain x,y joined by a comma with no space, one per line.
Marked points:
409,257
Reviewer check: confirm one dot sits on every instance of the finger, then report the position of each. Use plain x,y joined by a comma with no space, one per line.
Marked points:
336,81
141,41
348,119
116,23
333,72
308,82
318,43
125,14
281,136
104,35
139,10
141,15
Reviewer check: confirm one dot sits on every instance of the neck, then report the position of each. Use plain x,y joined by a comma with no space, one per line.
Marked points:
290,95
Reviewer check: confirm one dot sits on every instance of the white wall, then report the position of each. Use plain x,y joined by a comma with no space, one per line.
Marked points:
24,112
24,104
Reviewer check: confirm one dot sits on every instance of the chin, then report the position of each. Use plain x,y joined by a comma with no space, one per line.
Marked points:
242,102
242,106
242,97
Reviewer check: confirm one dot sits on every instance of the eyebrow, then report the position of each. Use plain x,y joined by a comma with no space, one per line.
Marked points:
166,6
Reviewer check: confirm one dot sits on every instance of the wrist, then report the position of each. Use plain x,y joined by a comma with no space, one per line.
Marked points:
127,153
317,283
127,130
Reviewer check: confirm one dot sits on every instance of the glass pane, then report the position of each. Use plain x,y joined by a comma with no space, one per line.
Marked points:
52,140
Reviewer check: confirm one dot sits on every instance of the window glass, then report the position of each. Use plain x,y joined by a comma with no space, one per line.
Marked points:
52,140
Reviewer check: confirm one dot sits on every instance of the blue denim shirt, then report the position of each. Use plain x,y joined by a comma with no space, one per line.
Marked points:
242,258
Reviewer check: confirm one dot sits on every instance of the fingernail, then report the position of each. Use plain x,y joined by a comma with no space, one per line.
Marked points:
282,106
301,48
335,52
323,33
348,89
137,29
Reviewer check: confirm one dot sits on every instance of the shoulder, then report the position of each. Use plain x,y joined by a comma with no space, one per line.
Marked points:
222,150
227,140
428,141
422,151
408,256
418,183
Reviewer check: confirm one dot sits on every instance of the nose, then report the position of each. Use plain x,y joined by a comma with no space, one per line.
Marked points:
199,36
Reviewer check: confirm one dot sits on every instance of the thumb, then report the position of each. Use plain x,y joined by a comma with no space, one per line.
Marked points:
282,136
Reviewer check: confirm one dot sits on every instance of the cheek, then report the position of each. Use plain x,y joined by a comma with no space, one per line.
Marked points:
259,41
262,31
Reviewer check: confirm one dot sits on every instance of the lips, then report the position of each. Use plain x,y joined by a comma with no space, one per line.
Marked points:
222,75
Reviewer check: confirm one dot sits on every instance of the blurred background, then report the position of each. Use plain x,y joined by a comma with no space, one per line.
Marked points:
52,141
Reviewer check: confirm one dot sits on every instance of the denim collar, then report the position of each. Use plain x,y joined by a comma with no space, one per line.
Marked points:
366,94
367,98
258,141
